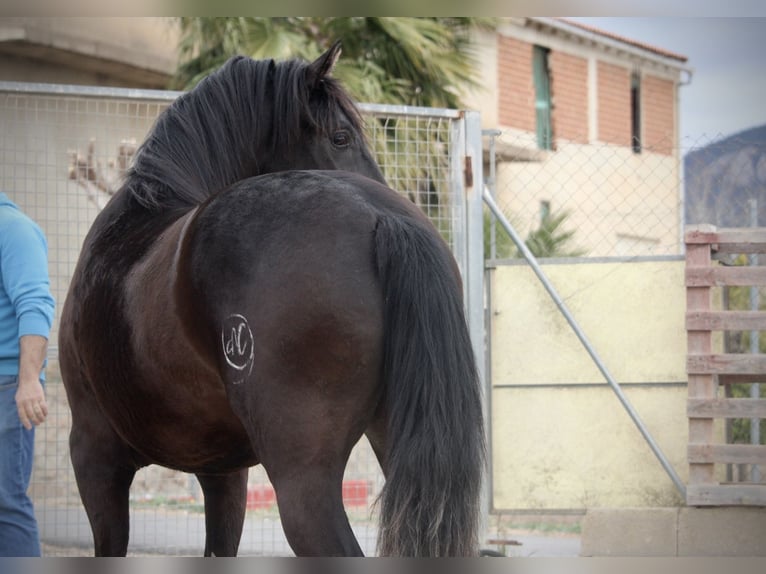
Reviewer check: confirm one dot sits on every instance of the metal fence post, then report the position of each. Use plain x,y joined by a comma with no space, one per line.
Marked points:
474,280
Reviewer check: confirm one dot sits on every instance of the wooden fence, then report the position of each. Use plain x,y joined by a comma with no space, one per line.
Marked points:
708,370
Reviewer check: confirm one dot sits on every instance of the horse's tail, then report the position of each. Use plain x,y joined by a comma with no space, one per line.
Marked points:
435,439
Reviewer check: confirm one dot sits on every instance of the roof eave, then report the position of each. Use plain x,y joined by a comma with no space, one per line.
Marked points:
603,39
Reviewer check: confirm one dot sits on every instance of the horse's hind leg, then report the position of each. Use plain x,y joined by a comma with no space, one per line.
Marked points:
311,509
225,503
305,458
104,468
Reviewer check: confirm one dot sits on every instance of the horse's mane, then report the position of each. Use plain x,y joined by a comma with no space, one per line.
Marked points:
212,136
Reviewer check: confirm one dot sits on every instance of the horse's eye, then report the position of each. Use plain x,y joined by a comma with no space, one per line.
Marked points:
341,139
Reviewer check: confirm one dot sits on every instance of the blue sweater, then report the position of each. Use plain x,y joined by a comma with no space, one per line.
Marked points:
26,304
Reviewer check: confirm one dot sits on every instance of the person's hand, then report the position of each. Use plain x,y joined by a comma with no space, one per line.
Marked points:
31,403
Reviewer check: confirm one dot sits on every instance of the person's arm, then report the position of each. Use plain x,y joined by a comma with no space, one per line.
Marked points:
30,396
24,273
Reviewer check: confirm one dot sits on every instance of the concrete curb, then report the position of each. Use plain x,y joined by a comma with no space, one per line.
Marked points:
720,531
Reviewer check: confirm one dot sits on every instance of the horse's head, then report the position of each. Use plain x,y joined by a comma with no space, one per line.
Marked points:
320,125
248,118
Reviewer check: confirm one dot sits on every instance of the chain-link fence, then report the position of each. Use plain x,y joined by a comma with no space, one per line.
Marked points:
601,200
62,153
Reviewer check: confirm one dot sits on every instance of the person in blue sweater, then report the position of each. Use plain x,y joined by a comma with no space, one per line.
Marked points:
26,315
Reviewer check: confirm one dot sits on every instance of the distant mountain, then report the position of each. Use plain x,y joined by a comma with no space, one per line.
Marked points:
722,179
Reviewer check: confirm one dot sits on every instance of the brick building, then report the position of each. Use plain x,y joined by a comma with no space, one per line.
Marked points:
589,124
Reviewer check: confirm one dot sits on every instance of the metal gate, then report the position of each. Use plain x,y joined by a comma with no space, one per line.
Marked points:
585,205
62,151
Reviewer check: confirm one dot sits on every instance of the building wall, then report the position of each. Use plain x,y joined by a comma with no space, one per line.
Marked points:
569,88
135,52
16,68
658,97
621,202
571,91
516,95
613,104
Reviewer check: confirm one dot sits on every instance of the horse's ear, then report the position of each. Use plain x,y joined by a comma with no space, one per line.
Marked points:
323,65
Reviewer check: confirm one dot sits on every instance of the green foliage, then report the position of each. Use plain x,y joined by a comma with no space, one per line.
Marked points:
550,239
740,428
404,60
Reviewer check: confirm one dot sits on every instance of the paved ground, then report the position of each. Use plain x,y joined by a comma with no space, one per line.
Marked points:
65,532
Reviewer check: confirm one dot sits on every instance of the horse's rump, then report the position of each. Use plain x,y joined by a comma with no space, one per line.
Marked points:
276,285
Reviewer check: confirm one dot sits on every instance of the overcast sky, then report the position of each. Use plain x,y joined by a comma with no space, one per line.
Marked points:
728,56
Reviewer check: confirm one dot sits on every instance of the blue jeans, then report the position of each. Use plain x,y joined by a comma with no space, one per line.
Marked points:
18,526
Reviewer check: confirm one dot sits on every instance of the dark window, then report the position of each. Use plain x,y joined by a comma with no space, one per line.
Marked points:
635,112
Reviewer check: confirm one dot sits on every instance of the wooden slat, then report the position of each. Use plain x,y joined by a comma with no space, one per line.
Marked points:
716,276
738,379
711,235
737,248
726,408
726,321
748,235
726,364
701,234
724,495
726,453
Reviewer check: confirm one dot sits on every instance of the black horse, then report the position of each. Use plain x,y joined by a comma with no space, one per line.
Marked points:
218,320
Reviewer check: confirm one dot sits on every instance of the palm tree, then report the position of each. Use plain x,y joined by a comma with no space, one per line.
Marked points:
404,60
550,239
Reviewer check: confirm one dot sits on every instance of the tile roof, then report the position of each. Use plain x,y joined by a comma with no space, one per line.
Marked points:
617,37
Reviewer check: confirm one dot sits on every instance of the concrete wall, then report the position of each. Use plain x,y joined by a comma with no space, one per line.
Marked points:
138,52
670,532
560,437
